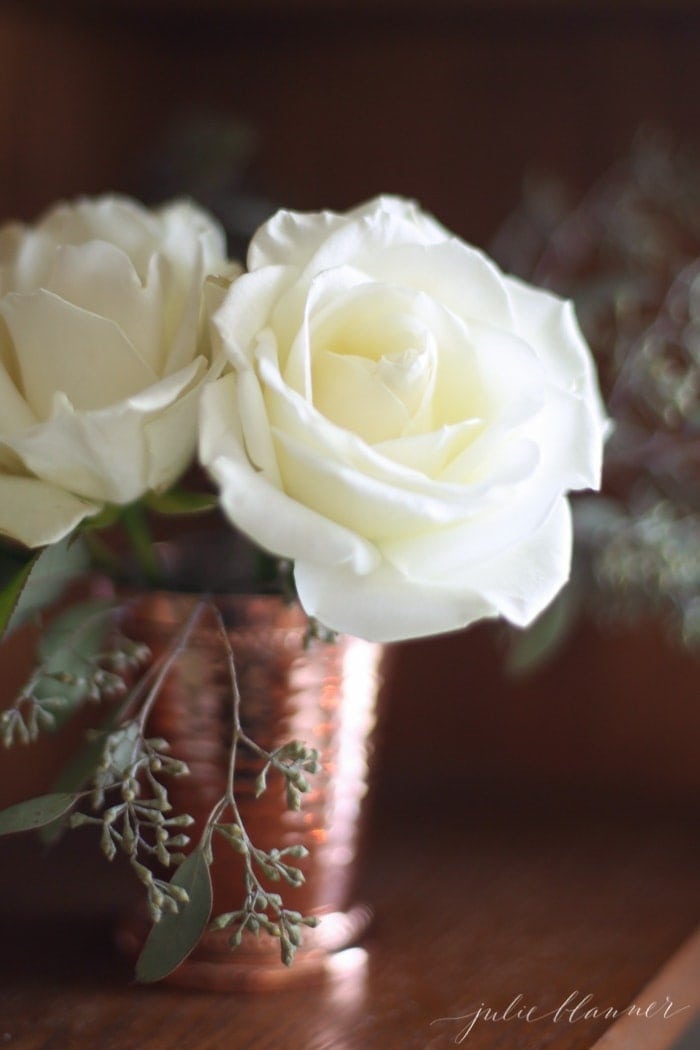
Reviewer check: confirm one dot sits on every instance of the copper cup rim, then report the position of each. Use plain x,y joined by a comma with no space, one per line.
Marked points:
241,611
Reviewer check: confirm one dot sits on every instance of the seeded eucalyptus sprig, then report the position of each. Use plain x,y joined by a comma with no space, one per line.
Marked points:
120,765
81,660
128,775
172,938
119,781
136,823
262,910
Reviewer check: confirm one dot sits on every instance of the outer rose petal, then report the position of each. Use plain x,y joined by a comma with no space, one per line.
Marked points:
179,220
292,238
453,273
112,218
247,309
37,513
169,436
98,366
524,579
549,324
384,606
388,606
108,455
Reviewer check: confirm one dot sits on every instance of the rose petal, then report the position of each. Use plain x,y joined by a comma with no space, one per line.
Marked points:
119,220
523,581
12,236
184,225
513,512
259,444
170,439
185,314
387,606
549,324
431,453
94,365
349,392
384,606
334,447
100,278
290,237
458,277
15,413
570,435
37,513
246,310
161,394
107,455
380,510
271,518
300,313
191,246
293,237
27,257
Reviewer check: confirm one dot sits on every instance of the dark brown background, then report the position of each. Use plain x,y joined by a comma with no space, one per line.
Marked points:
452,103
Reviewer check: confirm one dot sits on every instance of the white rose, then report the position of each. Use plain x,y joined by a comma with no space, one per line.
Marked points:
103,354
402,421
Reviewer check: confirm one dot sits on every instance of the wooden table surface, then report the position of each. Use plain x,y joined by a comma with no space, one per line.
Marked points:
470,910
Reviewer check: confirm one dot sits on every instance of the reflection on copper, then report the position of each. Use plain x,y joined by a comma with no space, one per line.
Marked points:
348,973
323,694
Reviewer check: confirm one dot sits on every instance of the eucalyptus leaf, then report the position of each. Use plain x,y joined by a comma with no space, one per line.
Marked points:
74,638
12,592
36,812
179,501
597,518
172,938
547,634
41,582
75,775
73,778
82,628
12,559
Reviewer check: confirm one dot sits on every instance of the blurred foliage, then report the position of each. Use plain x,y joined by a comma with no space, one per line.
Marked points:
628,254
210,158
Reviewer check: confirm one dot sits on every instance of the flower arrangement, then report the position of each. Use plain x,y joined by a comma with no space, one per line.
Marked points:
380,409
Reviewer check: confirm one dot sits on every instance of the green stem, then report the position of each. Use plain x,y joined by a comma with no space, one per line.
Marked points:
172,655
137,529
102,556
